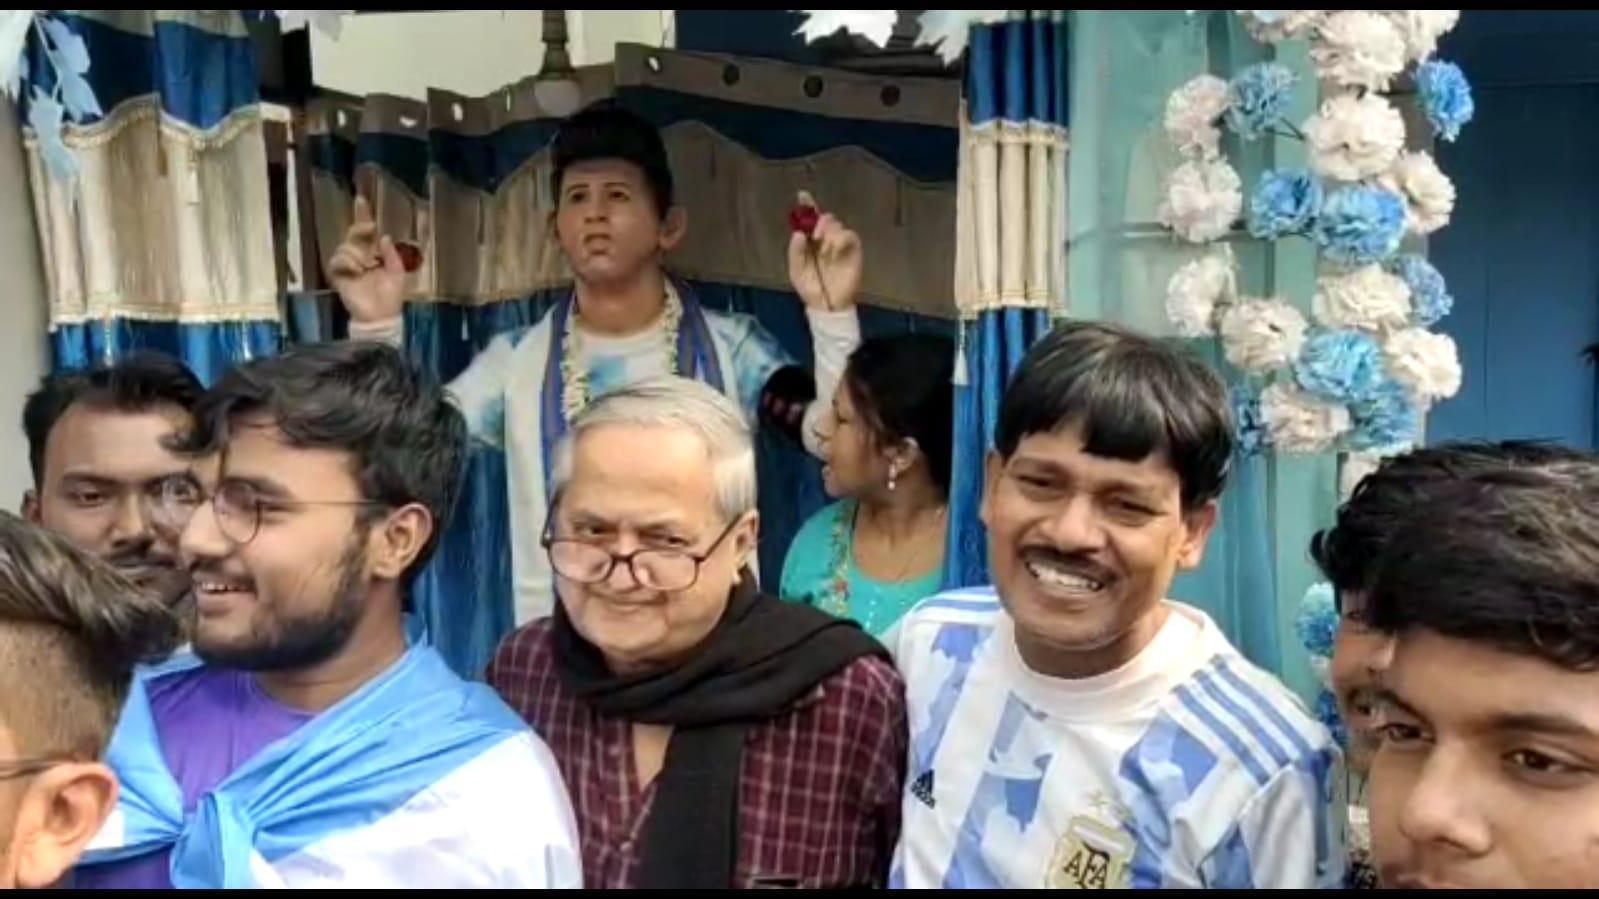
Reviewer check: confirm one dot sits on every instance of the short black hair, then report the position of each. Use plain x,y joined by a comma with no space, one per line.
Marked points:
903,388
1347,552
1507,557
607,131
407,442
1132,396
72,632
138,382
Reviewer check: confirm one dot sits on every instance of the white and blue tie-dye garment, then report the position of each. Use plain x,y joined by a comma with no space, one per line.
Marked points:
1186,768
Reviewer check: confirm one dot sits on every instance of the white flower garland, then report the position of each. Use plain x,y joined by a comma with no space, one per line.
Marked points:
1357,377
574,375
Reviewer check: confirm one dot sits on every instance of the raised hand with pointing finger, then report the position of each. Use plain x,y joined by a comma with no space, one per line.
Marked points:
367,270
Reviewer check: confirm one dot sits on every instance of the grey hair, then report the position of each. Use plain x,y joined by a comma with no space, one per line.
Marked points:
682,404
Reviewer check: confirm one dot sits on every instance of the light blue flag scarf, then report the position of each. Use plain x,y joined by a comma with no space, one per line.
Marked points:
345,769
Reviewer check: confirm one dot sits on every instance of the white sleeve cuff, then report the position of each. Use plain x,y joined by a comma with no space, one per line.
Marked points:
385,330
834,336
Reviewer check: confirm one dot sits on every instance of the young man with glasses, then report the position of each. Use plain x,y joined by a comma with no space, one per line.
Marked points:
312,743
712,736
71,633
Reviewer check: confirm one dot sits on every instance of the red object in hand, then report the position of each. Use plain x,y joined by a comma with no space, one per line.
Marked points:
410,254
804,220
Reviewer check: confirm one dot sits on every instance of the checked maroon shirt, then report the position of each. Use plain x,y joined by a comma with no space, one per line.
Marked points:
820,787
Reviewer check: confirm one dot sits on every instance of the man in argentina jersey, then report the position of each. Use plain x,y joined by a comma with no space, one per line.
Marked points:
1072,727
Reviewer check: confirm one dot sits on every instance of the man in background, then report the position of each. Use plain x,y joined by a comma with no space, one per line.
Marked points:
106,471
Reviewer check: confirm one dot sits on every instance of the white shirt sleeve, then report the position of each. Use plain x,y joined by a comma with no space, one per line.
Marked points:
834,336
385,330
479,392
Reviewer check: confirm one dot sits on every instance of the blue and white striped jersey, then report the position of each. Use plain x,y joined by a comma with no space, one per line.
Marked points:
1186,768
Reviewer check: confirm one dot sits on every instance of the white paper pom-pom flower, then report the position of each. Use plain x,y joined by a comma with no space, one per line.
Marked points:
1259,335
1353,468
1421,29
1358,48
1367,298
1194,292
1203,200
1426,363
1192,115
1428,192
1272,25
1299,422
1352,138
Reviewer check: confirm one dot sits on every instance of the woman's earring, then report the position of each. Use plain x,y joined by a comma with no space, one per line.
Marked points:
893,474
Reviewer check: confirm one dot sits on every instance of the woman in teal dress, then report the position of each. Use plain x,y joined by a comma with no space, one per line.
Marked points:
880,549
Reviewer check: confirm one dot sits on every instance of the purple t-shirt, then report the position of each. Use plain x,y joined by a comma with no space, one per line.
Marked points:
210,721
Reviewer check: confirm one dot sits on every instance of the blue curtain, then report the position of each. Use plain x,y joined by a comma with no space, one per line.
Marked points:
159,243
994,344
1010,277
475,151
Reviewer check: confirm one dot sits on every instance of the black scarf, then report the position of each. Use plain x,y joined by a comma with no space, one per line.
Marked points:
762,657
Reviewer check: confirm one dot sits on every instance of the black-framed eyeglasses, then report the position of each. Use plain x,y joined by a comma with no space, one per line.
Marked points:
238,507
666,570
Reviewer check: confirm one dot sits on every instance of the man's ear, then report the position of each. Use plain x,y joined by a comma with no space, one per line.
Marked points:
61,812
993,467
673,228
746,537
1196,530
30,506
398,541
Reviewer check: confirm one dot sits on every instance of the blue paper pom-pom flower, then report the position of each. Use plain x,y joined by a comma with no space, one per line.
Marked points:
1317,624
1342,366
1445,97
1385,419
1429,294
1327,714
1360,224
1251,435
1284,202
1258,98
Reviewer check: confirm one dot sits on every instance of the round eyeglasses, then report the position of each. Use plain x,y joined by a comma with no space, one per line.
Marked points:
239,506
666,570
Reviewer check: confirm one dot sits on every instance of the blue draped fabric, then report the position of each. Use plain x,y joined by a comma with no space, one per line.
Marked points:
994,345
1016,81
147,286
464,595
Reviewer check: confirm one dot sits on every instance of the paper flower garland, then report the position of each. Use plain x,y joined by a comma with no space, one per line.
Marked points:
1358,375
1317,626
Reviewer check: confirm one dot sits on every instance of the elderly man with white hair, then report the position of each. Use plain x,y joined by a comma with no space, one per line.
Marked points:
711,735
